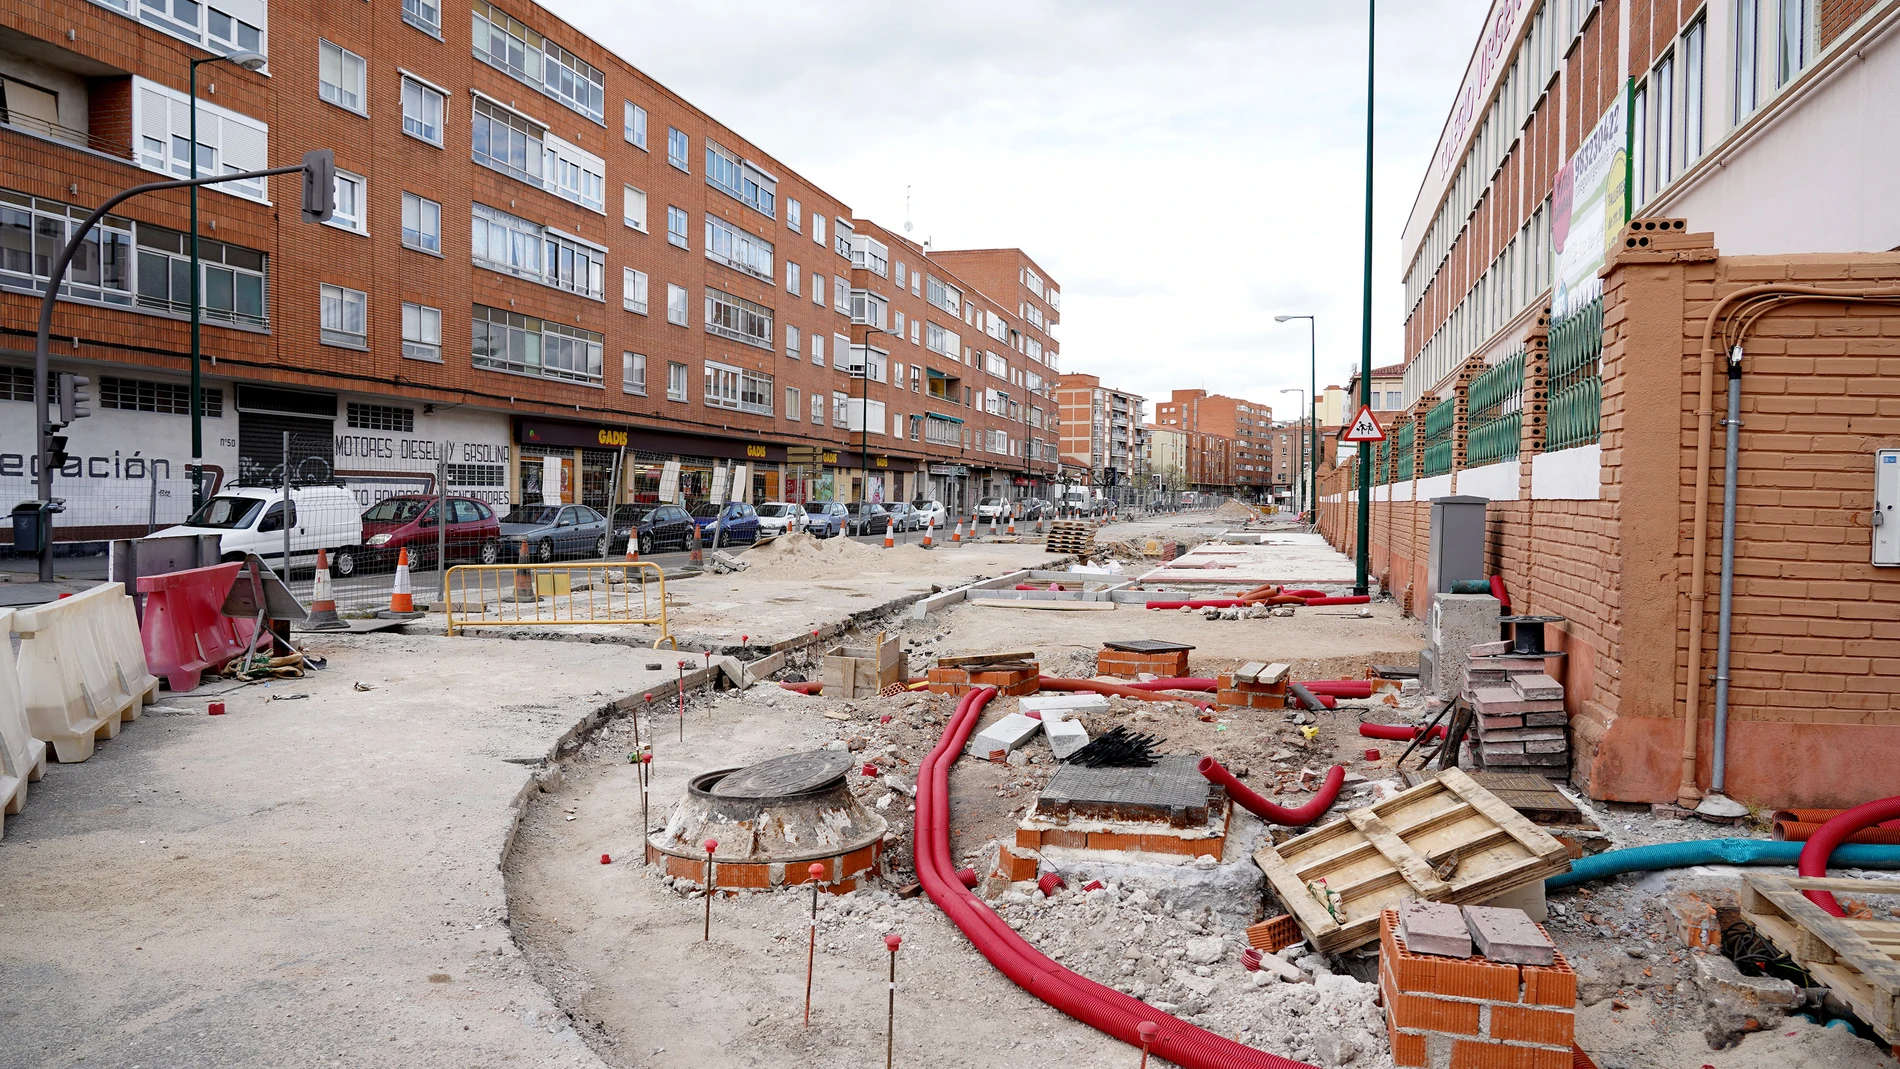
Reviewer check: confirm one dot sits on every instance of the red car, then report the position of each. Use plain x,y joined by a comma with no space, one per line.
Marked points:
410,521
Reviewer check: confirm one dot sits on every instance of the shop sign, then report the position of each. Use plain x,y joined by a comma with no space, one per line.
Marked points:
957,470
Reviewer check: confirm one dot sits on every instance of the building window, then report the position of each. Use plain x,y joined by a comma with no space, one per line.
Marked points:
233,287
941,341
818,227
421,332
575,174
1664,118
1692,64
633,208
738,249
853,361
524,345
676,149
841,294
1639,156
507,142
817,349
504,43
741,181
738,389
421,224
945,296
899,276
794,407
501,242
633,290
367,417
1795,45
635,126
818,289
140,395
676,382
633,374
340,76
738,319
791,279
227,141
422,112
818,408
676,226
794,343
675,304
349,204
424,15
869,308
839,403
870,255
913,327
841,238
343,320
32,229
1747,57
794,215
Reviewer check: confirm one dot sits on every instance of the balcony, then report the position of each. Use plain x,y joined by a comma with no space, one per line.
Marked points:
62,96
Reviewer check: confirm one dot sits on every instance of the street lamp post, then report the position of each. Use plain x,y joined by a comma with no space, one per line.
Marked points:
1361,584
1312,416
250,61
1299,462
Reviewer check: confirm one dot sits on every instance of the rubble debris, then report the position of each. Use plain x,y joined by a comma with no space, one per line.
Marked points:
1734,1004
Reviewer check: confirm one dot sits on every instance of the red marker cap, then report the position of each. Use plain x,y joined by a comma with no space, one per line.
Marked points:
711,845
1149,1030
646,758
606,859
892,940
817,871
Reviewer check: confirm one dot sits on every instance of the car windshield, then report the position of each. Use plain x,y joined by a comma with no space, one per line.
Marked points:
536,514
990,501
395,510
923,505
816,508
226,513
707,511
774,510
625,514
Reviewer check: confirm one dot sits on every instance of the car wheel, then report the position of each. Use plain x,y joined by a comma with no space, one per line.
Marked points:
544,552
719,539
343,563
646,545
491,551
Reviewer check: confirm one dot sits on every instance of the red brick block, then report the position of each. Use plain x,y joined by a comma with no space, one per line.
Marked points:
1477,1054
1064,837
1550,985
732,876
1029,838
1014,866
858,860
1109,840
1425,1013
1553,1028
1473,978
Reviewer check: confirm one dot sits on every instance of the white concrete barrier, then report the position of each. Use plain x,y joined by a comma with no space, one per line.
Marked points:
118,626
22,757
69,683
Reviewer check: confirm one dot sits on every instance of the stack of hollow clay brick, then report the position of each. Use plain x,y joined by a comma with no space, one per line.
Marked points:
1474,1012
1254,686
1517,712
1131,663
1013,674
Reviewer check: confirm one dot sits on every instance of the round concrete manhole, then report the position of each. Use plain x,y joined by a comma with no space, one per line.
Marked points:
784,777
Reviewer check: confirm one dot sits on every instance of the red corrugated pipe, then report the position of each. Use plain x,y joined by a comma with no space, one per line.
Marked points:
1265,810
1356,599
1052,683
812,687
1340,688
1305,593
1503,595
1201,603
1102,1008
1397,732
1799,825
1814,856
1179,683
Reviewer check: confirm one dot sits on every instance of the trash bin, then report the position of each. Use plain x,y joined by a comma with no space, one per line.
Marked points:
32,526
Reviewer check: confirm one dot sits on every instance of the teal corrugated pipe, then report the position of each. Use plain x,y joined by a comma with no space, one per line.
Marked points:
1716,852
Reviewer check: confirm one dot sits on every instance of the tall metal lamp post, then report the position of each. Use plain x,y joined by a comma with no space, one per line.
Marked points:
1362,582
250,61
1312,416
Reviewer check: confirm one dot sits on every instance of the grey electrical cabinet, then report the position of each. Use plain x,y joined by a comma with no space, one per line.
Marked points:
1886,517
1457,543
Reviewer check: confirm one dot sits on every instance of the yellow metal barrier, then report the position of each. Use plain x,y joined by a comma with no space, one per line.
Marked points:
541,595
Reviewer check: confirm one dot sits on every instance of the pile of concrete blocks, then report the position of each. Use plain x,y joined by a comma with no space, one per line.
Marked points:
1517,712
1474,986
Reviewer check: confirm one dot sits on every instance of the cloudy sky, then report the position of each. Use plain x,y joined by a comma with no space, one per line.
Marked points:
1185,170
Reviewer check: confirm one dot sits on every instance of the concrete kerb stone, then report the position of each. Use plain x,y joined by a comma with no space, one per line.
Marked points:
929,603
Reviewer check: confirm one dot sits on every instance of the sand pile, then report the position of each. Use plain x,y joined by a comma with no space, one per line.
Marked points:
1235,512
800,556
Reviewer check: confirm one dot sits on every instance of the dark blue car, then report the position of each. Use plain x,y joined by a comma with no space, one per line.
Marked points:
723,525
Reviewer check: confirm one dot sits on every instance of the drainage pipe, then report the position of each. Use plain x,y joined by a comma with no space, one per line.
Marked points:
1313,702
1179,683
1747,304
1355,599
1096,687
1201,603
1800,831
1714,852
1718,756
1340,688
1815,853
1278,814
1100,1007
1398,732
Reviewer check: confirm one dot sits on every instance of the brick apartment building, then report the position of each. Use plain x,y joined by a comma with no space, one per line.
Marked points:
1245,426
547,272
1625,199
1100,441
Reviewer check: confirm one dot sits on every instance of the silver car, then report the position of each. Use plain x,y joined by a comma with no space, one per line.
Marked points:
931,511
781,517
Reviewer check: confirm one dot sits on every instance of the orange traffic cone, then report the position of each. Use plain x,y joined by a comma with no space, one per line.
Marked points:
633,546
323,615
957,535
402,602
1012,523
524,578
890,534
930,525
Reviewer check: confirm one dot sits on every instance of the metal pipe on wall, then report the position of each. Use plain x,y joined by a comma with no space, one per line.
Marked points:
1718,758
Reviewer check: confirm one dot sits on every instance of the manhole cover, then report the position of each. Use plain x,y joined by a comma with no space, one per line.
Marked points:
783,776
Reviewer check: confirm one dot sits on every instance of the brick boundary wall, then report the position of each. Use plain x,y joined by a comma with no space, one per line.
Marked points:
1815,690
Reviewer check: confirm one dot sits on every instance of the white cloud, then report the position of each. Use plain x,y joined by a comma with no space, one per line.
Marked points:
1183,170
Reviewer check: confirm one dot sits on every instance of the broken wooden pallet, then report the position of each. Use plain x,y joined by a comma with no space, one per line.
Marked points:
1446,840
1857,958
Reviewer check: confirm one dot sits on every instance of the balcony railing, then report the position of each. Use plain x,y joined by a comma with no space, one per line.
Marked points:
32,125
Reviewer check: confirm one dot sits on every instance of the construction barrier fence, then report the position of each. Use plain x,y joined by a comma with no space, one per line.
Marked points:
631,593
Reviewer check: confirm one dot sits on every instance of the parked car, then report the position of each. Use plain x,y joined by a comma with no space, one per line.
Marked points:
555,531
780,517
992,507
252,519
929,509
722,525
660,527
1035,508
410,521
824,519
903,516
864,517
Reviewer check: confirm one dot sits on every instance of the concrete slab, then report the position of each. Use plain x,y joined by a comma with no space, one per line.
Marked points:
1508,935
1065,736
1063,705
1537,687
1009,733
1433,928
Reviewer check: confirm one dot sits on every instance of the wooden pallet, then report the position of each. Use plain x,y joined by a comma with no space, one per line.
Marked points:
1446,840
1858,959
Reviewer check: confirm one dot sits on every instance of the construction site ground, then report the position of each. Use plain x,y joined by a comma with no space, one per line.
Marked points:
332,873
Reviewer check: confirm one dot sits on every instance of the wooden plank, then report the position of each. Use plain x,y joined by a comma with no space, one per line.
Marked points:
986,658
1412,867
1312,918
1841,939
1844,884
1535,839
1855,958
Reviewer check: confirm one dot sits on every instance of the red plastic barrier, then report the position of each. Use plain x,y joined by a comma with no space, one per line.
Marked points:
185,631
1102,1008
1340,688
1265,810
1356,599
1821,844
1397,732
1201,603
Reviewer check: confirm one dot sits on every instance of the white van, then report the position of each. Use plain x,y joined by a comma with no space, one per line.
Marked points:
250,519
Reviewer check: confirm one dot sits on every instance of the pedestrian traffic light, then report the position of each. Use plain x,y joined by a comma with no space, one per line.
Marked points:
73,397
319,185
56,457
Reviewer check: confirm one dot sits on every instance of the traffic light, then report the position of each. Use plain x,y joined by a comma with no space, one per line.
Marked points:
319,185
73,397
56,457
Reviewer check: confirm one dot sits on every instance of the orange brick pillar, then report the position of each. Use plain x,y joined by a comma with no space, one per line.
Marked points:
1473,1013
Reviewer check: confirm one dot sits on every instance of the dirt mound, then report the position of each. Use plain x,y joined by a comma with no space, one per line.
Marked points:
800,556
1235,512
